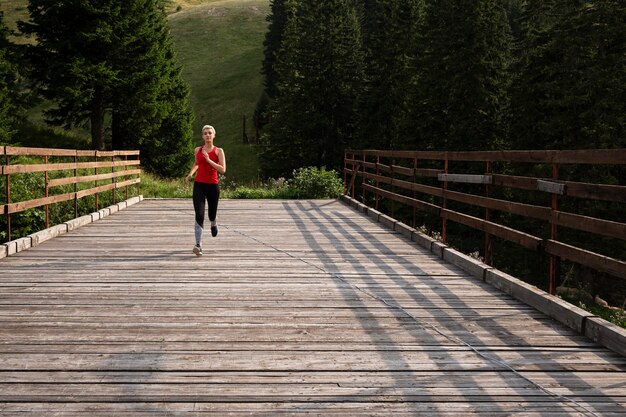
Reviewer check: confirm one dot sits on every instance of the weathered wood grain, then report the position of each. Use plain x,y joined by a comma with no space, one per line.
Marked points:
297,308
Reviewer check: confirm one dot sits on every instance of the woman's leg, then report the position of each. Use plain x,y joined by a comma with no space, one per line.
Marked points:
198,197
213,198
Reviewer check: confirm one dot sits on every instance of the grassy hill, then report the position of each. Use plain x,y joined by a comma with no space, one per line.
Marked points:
220,45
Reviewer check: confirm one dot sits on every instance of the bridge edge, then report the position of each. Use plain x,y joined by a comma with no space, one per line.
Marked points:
34,239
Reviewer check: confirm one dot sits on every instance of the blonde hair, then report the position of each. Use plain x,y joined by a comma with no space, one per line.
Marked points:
209,127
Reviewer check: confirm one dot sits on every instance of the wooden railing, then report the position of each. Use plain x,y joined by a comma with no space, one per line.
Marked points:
85,172
424,181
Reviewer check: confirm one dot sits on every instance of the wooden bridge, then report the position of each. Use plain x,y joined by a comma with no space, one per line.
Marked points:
297,308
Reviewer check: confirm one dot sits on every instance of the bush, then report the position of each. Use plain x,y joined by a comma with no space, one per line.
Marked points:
311,182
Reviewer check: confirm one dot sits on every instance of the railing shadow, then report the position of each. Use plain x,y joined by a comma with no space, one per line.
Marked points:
347,229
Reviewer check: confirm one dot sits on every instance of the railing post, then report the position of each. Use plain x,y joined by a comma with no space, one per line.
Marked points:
46,191
554,260
126,169
354,175
444,204
95,171
488,248
139,168
393,188
8,198
414,181
76,185
345,166
114,179
363,181
377,182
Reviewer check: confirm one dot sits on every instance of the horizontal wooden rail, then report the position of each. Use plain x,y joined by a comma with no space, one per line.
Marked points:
87,178
404,176
583,156
81,169
26,168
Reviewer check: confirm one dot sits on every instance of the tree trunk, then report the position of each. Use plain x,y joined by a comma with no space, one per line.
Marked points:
116,140
97,121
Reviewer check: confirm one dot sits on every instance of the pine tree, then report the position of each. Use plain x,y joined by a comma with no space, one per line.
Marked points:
277,19
283,142
391,32
572,80
70,61
151,94
513,10
10,97
604,78
463,98
319,65
94,59
532,79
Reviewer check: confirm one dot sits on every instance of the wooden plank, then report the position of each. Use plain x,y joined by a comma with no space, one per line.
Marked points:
25,205
89,178
523,239
117,153
465,178
396,169
29,168
426,172
107,187
16,150
596,191
315,310
608,334
589,224
574,189
593,260
513,181
382,167
38,202
585,156
526,210
331,408
407,185
413,202
228,361
551,187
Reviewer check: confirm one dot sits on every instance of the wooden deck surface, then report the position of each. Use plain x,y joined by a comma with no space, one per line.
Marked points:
296,308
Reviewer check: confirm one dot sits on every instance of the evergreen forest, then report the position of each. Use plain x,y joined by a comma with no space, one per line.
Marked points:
441,75
416,74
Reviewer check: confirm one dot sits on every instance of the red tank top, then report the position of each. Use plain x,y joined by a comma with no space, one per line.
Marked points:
206,173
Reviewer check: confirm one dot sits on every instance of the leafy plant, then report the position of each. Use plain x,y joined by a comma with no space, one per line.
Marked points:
311,182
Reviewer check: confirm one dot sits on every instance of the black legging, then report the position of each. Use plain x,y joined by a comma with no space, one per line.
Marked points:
209,192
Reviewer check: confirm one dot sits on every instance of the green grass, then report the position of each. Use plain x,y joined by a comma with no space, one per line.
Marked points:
307,183
154,187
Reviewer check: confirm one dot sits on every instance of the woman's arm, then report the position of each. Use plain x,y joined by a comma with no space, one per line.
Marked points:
194,168
192,171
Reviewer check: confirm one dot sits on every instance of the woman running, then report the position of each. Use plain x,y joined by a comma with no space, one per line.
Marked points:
209,161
